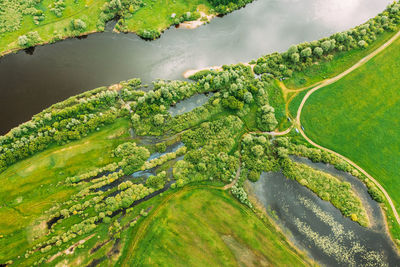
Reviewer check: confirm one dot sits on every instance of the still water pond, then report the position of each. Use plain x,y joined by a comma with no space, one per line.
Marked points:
29,83
319,228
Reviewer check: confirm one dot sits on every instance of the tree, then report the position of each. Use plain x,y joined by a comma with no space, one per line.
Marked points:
295,57
266,120
248,97
257,151
318,51
23,40
78,24
158,119
306,52
326,45
293,49
362,44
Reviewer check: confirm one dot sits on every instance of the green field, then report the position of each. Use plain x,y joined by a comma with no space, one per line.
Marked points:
152,15
358,117
156,15
207,227
51,26
30,187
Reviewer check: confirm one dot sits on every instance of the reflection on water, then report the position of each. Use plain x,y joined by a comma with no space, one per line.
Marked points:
320,229
29,83
189,104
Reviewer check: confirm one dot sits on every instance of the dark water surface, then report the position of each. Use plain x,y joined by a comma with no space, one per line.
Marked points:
30,83
317,227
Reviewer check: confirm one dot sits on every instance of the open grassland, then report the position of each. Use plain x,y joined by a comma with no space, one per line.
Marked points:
156,15
30,187
53,27
340,62
358,117
148,16
206,226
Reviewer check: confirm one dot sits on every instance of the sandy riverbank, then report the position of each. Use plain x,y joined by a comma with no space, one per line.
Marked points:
204,18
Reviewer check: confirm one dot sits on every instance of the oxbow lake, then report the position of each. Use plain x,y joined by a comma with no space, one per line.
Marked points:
32,82
317,227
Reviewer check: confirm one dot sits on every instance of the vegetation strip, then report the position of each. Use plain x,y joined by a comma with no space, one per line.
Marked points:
330,81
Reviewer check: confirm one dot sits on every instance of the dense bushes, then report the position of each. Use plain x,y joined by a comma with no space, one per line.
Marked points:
66,121
328,188
13,11
28,40
299,57
133,156
226,6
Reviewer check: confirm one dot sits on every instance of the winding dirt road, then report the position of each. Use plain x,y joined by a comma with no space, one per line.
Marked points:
335,79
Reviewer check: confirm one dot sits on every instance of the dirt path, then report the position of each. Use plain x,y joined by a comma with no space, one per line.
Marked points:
333,80
226,187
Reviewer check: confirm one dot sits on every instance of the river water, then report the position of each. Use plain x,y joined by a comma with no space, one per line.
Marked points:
318,228
30,83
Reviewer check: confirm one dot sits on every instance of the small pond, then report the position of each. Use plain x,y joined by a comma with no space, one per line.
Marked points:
318,228
189,104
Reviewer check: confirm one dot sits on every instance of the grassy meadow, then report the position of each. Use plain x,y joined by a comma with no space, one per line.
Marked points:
156,15
31,186
358,117
208,227
52,26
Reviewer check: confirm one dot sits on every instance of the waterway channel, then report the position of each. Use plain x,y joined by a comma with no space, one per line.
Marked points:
32,82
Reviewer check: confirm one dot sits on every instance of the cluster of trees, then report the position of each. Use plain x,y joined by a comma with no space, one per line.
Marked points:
58,7
28,40
163,159
129,193
133,156
12,13
299,57
60,124
266,120
227,6
257,156
237,91
209,152
78,25
188,16
157,181
328,188
317,155
241,195
118,8
93,174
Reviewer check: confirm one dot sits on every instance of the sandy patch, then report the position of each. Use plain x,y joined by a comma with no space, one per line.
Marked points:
204,18
115,87
189,73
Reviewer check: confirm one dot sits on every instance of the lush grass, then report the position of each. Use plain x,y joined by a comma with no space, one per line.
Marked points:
87,10
340,62
30,187
276,100
156,15
358,116
206,226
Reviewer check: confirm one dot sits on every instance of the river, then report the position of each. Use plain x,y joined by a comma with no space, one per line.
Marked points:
32,82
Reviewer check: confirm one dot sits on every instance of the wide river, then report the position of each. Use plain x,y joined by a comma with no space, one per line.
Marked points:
30,83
